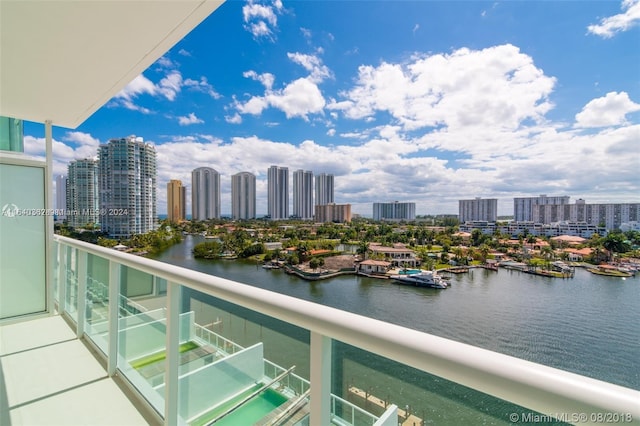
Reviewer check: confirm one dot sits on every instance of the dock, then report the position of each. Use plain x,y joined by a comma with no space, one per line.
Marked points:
404,418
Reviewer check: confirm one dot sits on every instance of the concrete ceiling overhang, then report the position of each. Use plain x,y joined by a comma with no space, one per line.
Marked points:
63,60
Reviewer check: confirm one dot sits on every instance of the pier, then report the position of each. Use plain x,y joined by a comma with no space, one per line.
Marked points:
405,418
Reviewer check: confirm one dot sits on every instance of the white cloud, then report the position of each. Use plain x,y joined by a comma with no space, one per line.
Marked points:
138,85
261,19
168,87
611,25
416,27
165,62
171,85
184,52
331,132
233,119
313,64
203,86
266,78
306,33
298,99
609,110
493,87
189,119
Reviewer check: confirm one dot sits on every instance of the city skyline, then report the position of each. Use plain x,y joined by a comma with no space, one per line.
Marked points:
438,103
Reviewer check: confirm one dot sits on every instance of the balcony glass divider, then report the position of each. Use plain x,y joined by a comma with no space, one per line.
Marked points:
114,297
81,309
172,354
62,276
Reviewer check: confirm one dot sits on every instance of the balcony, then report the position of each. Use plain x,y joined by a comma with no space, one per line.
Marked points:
92,336
165,336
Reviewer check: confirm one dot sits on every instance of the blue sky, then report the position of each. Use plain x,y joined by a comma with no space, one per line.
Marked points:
423,101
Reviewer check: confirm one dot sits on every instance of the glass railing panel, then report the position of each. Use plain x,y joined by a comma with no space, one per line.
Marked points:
141,333
373,382
236,366
55,247
71,283
97,301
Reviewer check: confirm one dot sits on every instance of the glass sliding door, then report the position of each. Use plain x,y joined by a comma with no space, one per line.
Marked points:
23,239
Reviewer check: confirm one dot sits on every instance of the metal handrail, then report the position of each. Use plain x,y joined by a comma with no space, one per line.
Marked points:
538,387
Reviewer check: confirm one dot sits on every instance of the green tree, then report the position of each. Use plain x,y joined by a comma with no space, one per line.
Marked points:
207,250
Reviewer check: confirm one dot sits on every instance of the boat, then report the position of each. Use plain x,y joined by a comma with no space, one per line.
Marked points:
422,279
271,266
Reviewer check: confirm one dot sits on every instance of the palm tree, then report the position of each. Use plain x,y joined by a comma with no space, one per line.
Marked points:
484,251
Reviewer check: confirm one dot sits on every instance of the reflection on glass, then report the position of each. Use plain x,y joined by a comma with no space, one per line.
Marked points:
141,334
97,301
373,383
71,283
226,375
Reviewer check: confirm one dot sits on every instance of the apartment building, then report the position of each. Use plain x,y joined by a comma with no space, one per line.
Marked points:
303,194
127,177
523,206
243,196
394,211
278,192
478,209
82,193
176,201
324,189
340,213
205,194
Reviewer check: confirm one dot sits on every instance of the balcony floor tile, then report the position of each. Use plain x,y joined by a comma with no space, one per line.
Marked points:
48,377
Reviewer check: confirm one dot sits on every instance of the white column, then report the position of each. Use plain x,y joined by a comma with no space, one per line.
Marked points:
320,379
48,227
172,352
114,298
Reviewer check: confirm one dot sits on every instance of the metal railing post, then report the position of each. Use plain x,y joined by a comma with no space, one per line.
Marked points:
172,354
114,313
320,361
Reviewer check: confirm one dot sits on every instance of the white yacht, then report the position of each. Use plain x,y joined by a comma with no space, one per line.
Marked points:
422,279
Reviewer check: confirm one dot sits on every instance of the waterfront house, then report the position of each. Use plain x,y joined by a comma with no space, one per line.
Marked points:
578,255
373,267
398,255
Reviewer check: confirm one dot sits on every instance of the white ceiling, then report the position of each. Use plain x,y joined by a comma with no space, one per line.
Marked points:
61,60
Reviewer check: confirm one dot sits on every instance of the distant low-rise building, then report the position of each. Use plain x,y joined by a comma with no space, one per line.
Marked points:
478,209
395,211
340,213
516,229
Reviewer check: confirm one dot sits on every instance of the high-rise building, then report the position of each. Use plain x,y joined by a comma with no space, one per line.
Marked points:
127,182
82,193
176,201
61,197
324,189
478,209
205,194
394,211
303,194
523,206
243,196
278,192
610,216
333,213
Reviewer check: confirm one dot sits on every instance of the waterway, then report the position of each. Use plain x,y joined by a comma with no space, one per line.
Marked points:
589,325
